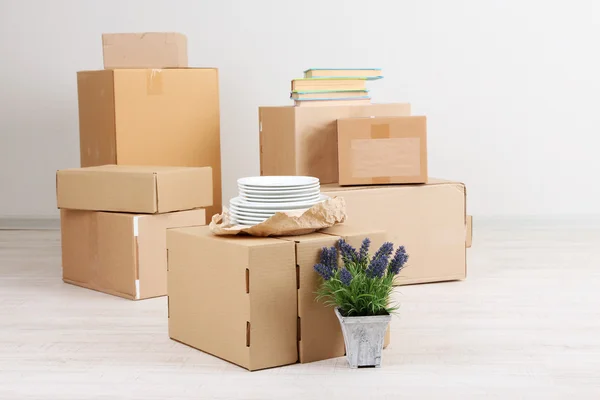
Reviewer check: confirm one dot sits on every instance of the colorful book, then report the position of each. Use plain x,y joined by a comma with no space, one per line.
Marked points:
335,102
331,84
330,95
367,73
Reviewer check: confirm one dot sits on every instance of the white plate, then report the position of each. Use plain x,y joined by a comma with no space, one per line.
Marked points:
280,199
237,221
278,181
279,189
260,213
249,213
280,192
240,203
242,215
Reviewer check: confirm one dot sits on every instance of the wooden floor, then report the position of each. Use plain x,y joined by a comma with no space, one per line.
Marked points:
525,324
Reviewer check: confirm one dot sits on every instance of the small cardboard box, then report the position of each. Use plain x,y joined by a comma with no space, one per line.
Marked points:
267,313
430,220
233,297
382,150
136,189
120,254
144,50
319,333
166,117
303,140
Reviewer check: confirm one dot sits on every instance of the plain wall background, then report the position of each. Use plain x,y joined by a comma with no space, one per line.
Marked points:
510,87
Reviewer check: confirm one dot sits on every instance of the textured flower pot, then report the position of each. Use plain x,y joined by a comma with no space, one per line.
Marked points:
364,337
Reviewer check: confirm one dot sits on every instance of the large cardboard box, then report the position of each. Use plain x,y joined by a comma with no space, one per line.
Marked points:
137,189
166,117
319,333
120,254
233,297
144,50
430,220
382,150
303,140
252,301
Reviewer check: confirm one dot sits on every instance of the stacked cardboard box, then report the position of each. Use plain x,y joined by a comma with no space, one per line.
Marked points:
148,108
375,156
251,301
114,221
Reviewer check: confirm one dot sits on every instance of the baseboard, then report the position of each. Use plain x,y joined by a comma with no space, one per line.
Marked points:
26,223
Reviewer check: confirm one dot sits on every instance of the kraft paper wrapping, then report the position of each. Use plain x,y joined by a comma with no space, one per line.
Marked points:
320,216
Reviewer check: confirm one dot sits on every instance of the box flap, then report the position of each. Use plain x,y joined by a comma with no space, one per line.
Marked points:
469,240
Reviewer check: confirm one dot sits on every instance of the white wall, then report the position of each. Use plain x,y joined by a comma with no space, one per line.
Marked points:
511,87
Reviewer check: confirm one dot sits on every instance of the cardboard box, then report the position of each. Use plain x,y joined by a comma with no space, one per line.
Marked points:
144,50
429,220
136,189
120,254
268,315
233,297
303,140
319,333
151,117
382,150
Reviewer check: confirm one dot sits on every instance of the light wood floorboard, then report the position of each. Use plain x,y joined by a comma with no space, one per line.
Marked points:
525,324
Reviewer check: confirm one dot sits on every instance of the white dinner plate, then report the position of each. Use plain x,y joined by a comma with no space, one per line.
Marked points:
241,203
259,213
248,216
279,189
277,181
281,192
279,199
237,221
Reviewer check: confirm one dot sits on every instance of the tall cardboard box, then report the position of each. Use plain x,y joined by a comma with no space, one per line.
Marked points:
303,140
430,220
144,50
158,117
120,254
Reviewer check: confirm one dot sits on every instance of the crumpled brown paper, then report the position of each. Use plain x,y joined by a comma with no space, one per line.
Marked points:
320,216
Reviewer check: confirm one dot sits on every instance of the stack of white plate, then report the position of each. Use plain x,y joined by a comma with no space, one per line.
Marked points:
260,197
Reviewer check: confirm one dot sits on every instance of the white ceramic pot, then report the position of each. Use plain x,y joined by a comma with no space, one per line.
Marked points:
364,338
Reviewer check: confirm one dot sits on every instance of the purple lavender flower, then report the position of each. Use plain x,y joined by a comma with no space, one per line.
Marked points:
325,271
397,263
329,257
380,260
345,276
349,253
364,250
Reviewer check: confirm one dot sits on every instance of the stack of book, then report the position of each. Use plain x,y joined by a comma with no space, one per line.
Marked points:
339,86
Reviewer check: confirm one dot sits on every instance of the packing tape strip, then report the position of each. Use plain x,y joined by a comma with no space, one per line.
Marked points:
380,131
154,82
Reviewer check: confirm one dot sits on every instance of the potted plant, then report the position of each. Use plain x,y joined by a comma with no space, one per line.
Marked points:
360,291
